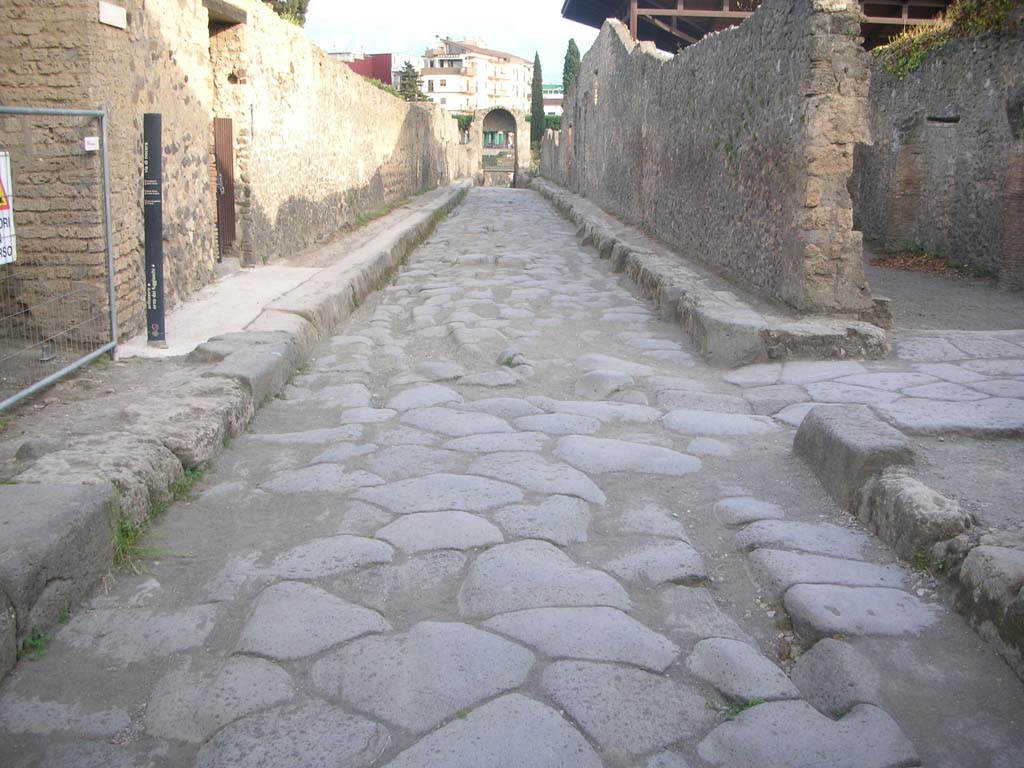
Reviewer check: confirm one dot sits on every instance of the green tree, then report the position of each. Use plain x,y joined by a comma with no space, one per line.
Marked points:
410,87
291,10
571,70
537,103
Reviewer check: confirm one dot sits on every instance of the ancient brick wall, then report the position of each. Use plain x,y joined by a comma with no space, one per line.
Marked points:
945,170
736,151
315,144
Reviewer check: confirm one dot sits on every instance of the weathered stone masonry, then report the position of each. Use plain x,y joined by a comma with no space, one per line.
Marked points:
315,145
736,151
946,170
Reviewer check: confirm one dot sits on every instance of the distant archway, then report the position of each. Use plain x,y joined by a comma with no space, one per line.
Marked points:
498,134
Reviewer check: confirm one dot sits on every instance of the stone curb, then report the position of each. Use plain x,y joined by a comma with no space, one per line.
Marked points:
57,520
725,329
862,462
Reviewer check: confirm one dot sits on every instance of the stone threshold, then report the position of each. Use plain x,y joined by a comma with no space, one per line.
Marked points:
865,464
58,515
728,329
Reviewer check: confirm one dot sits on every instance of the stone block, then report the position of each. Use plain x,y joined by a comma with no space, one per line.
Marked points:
992,598
845,445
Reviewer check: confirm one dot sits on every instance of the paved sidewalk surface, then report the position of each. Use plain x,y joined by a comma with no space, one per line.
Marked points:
506,518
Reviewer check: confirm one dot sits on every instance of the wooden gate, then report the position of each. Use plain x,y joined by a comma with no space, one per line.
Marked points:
224,153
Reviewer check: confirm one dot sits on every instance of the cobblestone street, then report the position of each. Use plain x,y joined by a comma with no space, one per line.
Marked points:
507,519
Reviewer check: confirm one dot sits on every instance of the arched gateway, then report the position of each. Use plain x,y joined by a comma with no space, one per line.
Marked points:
503,137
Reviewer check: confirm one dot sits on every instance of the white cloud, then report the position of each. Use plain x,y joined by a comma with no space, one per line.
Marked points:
409,26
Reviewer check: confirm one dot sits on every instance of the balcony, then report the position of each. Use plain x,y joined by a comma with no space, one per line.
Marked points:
442,71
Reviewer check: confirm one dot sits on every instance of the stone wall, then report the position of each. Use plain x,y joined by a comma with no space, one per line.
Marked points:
946,170
736,151
315,144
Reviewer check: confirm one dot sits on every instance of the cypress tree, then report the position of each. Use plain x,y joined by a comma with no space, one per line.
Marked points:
571,70
537,121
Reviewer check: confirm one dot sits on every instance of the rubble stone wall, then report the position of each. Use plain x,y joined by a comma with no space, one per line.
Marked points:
946,170
315,144
736,152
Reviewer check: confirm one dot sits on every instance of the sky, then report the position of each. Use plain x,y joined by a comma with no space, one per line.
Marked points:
409,26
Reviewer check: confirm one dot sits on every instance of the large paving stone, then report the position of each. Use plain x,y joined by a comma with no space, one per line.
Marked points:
558,424
599,384
598,455
320,478
627,711
820,610
342,452
660,562
29,714
420,678
292,620
597,362
740,510
536,474
816,538
890,381
629,413
423,397
534,574
309,735
809,371
834,677
691,613
499,442
562,520
596,634
653,521
739,671
328,556
833,392
778,570
773,398
503,407
132,635
846,444
510,732
702,401
191,703
424,531
399,462
439,492
714,424
791,734
454,423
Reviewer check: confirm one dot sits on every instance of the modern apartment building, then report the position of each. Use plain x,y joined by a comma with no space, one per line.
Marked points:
463,76
385,67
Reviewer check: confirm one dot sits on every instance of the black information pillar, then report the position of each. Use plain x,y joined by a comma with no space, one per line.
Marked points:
153,207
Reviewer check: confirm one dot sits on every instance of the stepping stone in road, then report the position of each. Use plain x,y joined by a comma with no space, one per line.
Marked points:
596,634
440,492
714,424
739,671
661,562
562,520
740,510
423,397
599,455
499,442
425,531
454,423
191,705
627,711
309,735
817,538
292,620
510,732
791,734
778,570
821,610
328,556
536,474
534,574
420,678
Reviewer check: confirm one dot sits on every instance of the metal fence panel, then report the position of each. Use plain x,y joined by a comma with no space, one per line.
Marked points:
57,300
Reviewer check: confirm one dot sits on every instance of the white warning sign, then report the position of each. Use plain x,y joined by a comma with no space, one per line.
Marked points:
8,251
